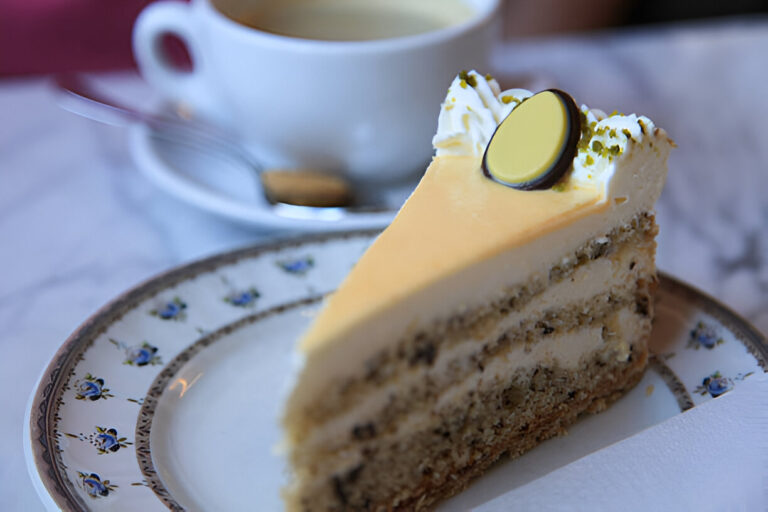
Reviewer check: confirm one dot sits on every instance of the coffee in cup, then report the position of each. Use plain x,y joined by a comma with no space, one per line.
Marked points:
348,20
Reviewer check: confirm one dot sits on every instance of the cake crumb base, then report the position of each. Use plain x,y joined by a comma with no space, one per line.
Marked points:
514,445
463,442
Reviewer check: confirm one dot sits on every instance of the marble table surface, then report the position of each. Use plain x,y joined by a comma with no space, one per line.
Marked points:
79,224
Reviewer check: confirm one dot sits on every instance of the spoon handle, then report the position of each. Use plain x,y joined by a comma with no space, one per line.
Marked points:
84,99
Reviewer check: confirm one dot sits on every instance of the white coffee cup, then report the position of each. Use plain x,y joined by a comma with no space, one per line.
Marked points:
367,108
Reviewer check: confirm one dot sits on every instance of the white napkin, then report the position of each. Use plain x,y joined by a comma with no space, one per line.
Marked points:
712,457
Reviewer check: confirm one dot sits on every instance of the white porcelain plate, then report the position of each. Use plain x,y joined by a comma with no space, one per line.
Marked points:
169,395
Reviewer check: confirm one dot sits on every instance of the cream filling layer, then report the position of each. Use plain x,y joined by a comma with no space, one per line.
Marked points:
586,282
569,351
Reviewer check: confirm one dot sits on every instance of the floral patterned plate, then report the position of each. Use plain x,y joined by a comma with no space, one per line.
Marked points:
168,396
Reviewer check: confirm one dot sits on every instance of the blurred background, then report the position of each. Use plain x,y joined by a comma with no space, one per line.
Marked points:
50,36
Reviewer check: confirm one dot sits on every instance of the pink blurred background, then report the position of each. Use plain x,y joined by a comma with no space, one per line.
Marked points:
52,36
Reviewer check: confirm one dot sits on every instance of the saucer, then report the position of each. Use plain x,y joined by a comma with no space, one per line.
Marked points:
220,184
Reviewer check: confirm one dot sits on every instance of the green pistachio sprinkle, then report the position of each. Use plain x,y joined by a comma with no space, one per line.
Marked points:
463,84
510,99
559,187
586,133
613,132
589,160
615,150
642,126
626,132
597,146
488,77
466,78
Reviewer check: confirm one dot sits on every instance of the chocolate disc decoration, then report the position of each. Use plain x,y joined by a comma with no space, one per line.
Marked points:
535,144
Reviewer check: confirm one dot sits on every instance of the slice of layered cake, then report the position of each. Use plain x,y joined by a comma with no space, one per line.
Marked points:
512,293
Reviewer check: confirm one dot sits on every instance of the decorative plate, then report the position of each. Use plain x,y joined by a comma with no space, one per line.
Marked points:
169,395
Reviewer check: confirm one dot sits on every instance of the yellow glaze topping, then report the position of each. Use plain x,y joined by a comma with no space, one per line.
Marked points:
455,218
529,141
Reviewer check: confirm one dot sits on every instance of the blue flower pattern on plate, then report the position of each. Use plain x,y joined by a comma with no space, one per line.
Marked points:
107,440
141,355
714,384
245,298
297,266
94,486
173,310
704,335
91,388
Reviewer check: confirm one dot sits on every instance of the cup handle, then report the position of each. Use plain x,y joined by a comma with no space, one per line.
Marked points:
175,18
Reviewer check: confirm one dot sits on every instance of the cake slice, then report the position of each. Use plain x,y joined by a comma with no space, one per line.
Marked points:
484,319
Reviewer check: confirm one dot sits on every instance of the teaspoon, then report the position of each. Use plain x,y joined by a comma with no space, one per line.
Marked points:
83,99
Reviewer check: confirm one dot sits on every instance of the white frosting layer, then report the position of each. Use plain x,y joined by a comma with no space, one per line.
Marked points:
604,140
475,105
471,113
